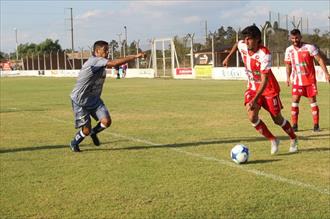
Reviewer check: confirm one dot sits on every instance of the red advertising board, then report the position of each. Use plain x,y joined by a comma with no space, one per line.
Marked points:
6,66
183,71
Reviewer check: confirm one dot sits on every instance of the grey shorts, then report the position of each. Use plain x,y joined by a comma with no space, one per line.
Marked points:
83,114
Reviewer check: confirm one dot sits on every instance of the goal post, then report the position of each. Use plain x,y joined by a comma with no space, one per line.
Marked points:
164,57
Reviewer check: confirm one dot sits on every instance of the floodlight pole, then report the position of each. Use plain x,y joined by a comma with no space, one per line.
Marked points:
213,61
58,59
192,50
112,51
15,29
72,45
237,54
119,36
265,31
125,41
137,52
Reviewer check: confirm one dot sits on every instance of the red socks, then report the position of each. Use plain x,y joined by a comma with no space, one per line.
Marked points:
288,129
315,112
294,113
262,129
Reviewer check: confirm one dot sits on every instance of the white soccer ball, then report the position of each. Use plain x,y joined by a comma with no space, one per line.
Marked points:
239,153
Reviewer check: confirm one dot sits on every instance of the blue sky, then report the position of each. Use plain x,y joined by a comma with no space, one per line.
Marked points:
94,20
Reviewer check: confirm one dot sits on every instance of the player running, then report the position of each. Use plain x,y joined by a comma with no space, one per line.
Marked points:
86,95
263,89
299,60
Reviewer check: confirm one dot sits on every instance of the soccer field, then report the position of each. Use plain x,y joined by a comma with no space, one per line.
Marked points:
166,154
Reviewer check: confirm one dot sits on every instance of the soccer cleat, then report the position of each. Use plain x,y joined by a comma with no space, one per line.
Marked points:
295,127
293,146
316,128
274,146
95,139
74,147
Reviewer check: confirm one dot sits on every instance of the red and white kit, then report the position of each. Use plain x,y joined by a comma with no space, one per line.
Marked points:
301,60
303,71
255,65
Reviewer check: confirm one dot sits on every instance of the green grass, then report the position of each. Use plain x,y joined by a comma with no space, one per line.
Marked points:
166,154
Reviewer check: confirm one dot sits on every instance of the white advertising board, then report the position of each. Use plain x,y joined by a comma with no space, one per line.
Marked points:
233,73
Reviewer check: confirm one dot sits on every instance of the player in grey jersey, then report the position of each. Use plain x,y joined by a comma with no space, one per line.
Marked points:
86,95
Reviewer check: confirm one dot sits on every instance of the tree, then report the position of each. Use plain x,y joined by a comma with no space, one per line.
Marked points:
222,37
114,44
132,48
3,56
26,49
46,46
315,38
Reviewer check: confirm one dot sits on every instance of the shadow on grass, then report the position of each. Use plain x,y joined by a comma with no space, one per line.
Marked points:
306,150
315,149
15,110
46,147
311,130
243,140
36,148
313,136
187,144
262,161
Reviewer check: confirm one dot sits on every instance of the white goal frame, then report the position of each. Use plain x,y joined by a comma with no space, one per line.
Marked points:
161,72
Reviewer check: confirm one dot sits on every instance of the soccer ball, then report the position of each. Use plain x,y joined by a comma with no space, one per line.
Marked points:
239,153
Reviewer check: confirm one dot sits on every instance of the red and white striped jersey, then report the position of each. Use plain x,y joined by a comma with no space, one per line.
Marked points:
301,60
255,65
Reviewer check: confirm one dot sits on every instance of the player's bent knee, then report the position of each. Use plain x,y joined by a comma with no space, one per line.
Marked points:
106,123
253,118
279,120
86,130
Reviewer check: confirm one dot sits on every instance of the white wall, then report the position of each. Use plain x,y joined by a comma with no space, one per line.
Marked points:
239,73
131,73
219,73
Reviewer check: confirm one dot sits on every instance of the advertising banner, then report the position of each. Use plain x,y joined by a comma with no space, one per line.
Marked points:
231,73
203,71
184,73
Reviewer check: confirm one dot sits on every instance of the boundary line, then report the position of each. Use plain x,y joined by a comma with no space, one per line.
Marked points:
222,162
231,164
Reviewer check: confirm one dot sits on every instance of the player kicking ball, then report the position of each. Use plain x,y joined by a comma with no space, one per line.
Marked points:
263,88
86,95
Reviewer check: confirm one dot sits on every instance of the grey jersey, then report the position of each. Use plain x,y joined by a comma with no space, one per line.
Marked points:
88,89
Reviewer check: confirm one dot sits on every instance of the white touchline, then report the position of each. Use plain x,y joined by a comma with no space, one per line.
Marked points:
231,164
223,162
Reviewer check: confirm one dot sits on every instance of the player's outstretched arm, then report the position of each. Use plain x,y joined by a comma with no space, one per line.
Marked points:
321,61
120,61
232,51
